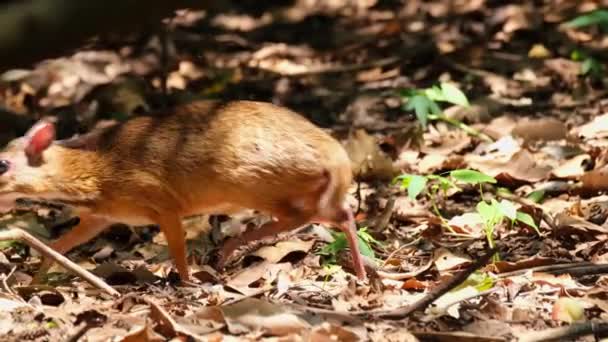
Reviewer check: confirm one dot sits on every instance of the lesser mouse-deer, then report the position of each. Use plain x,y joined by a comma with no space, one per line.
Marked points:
203,157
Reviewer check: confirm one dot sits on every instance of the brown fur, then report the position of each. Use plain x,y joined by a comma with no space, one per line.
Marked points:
205,157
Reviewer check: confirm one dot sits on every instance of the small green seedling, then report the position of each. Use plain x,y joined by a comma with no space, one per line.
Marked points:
492,213
495,212
425,103
331,250
589,65
597,17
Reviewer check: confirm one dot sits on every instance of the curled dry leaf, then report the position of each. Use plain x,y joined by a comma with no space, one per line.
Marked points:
577,224
368,160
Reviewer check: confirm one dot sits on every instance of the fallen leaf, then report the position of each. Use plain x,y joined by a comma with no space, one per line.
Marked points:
568,310
368,160
274,254
522,166
573,168
596,129
446,260
253,314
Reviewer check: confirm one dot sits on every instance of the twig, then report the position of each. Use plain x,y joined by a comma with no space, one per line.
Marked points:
461,125
21,235
393,253
5,284
574,269
359,198
598,329
434,294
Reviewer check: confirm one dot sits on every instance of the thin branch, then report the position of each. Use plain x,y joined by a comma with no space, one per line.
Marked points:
568,333
30,240
434,294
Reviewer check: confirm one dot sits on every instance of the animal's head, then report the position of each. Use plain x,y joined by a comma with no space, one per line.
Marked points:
24,163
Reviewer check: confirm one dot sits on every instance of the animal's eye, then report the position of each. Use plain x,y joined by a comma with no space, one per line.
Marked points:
4,166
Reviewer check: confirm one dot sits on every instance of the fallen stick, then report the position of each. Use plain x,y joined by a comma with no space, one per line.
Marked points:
30,240
434,294
570,332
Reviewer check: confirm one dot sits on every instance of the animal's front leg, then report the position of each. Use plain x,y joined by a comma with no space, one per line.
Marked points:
89,227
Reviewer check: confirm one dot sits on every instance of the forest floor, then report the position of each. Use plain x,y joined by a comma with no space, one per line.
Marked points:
529,118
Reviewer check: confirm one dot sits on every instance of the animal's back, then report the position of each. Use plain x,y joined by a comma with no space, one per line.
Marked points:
254,153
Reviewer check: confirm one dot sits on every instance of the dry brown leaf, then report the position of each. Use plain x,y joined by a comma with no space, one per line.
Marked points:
444,141
507,266
596,129
468,223
568,70
143,334
500,127
521,166
203,321
368,160
446,260
256,315
595,180
277,252
572,168
266,270
327,332
565,221
562,281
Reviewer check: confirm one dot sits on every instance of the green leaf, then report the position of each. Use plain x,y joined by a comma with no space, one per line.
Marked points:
363,234
454,95
577,55
416,185
479,280
413,183
599,17
586,66
435,94
528,220
365,248
508,209
536,196
333,248
471,176
490,213
421,106
407,93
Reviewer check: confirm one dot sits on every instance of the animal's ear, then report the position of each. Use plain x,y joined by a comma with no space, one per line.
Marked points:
38,139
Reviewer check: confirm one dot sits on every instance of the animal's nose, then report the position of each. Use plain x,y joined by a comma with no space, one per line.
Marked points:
4,166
